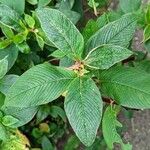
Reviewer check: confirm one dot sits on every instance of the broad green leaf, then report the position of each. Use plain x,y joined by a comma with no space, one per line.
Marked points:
129,5
39,85
109,124
9,121
83,106
29,20
58,54
9,17
129,87
11,52
106,56
61,31
43,3
3,67
119,32
7,82
17,5
66,62
24,115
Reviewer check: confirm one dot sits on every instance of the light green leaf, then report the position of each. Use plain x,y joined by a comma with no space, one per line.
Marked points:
29,20
58,54
119,32
7,82
9,17
5,43
3,67
7,31
32,2
129,87
17,5
106,56
83,106
9,121
109,124
128,6
146,33
147,15
11,52
24,115
40,41
61,31
39,85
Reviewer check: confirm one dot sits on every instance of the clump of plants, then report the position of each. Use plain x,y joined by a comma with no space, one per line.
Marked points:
63,83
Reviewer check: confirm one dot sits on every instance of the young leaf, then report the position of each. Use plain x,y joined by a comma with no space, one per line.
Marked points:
128,6
61,31
7,82
83,106
39,85
7,31
40,41
46,144
127,86
9,121
30,21
9,17
109,124
5,43
119,32
106,56
17,5
3,67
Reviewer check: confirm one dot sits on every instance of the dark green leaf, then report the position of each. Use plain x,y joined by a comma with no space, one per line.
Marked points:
83,106
106,56
61,31
39,85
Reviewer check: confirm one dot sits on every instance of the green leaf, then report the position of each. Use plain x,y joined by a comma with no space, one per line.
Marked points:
83,106
11,52
147,15
24,115
7,82
7,31
17,5
32,2
58,54
146,33
129,87
61,31
39,85
19,38
9,17
30,21
24,47
2,99
9,121
46,144
72,143
106,56
128,6
3,67
3,135
40,41
56,111
43,3
109,124
5,43
119,32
